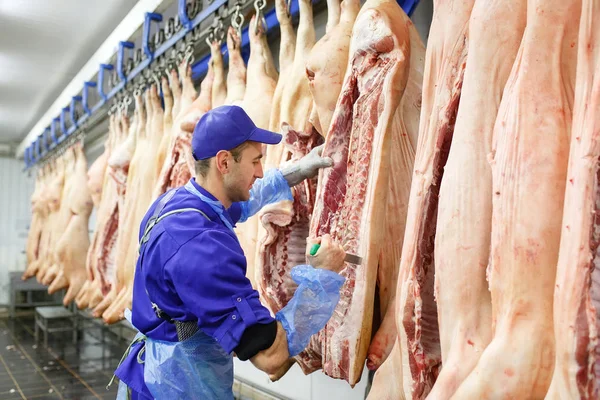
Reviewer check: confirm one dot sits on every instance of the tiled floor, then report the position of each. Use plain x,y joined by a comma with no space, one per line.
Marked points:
63,370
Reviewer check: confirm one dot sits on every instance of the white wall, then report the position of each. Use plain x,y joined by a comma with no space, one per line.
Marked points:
296,386
16,188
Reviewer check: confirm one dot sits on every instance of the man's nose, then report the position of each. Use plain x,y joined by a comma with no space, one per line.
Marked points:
258,172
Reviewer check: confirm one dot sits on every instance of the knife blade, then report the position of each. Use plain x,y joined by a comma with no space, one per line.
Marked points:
350,258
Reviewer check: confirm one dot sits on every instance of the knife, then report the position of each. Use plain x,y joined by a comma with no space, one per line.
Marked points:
350,258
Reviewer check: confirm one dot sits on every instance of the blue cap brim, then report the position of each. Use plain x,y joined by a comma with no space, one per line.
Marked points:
265,136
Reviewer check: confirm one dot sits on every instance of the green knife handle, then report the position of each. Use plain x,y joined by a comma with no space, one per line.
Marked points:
315,247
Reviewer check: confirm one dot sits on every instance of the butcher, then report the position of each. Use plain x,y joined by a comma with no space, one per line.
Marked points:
193,305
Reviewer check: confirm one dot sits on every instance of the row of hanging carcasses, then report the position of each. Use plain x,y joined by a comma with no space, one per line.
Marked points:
358,89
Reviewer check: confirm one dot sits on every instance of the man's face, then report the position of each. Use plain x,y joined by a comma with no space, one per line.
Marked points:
243,173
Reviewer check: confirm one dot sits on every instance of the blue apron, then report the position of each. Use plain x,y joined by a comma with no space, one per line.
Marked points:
196,366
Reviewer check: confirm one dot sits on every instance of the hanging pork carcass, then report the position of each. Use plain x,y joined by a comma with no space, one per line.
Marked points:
529,163
140,183
261,82
72,248
98,179
352,197
576,293
39,214
462,241
118,167
326,65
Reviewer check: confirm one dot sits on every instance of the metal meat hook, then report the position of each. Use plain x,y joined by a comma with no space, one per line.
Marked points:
259,6
237,19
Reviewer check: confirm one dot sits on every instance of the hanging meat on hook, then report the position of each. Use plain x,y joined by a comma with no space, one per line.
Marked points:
165,141
52,203
287,48
39,210
118,167
73,246
139,195
353,197
326,65
462,241
184,169
529,162
236,76
130,148
415,357
59,224
91,293
219,88
174,161
576,309
290,111
262,79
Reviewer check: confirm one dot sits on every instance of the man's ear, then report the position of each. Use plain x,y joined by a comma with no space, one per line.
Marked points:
223,161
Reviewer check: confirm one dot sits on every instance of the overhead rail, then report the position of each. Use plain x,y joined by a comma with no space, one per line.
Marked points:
147,64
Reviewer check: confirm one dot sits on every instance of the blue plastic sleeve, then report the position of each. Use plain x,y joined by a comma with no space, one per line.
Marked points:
311,307
271,188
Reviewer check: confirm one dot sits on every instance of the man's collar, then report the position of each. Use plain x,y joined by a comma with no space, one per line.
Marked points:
204,191
217,203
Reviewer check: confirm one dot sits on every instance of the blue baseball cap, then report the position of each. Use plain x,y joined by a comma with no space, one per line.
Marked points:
224,128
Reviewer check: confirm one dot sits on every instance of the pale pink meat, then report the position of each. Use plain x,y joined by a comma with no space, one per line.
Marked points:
219,89
287,50
261,81
576,294
405,129
416,308
39,211
73,245
328,59
141,180
59,224
97,178
462,241
352,195
106,250
529,163
236,76
165,141
174,166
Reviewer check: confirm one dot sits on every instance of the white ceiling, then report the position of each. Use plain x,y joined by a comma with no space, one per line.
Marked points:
43,45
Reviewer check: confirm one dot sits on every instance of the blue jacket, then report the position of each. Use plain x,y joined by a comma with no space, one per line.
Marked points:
195,269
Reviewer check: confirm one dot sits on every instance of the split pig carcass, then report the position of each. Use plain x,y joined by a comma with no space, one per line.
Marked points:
141,180
462,241
576,292
73,245
529,162
98,184
260,89
367,186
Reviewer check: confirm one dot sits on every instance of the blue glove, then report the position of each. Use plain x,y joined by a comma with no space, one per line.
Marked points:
312,305
271,188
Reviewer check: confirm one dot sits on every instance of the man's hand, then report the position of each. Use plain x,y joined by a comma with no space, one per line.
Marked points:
330,255
307,167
